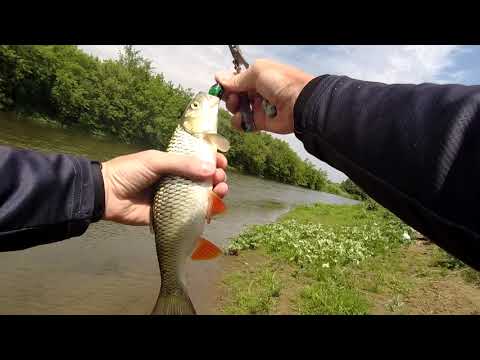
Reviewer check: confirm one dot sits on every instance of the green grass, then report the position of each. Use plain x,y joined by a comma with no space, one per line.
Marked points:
331,293
322,235
334,188
448,262
342,259
472,276
328,214
339,253
331,298
255,294
366,212
348,290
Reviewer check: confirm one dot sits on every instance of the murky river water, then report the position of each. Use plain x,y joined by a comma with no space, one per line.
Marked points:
112,268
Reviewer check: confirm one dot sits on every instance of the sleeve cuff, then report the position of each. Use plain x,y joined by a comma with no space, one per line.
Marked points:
312,103
99,202
299,123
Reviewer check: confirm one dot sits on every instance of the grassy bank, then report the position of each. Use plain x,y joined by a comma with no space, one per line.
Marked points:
331,259
336,189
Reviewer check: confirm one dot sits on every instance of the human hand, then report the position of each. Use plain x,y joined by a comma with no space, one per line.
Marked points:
128,181
279,84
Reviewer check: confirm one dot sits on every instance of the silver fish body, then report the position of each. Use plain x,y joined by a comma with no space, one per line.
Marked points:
181,206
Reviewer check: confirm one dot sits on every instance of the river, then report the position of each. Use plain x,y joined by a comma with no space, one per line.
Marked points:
112,268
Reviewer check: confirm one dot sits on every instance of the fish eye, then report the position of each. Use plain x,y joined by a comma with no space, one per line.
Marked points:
195,105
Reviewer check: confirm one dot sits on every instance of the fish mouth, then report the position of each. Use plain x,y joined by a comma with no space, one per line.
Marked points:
204,119
211,100
214,101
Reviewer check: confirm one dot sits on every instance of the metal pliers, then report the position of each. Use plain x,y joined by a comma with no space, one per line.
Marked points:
248,124
238,59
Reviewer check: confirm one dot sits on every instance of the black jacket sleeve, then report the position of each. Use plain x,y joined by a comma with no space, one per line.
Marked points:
46,197
413,148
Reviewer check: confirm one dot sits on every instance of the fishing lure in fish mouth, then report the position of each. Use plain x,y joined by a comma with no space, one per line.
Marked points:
181,207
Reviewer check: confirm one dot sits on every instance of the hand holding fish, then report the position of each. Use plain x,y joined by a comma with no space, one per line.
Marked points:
279,84
128,181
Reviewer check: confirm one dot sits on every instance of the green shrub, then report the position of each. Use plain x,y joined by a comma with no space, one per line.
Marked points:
325,246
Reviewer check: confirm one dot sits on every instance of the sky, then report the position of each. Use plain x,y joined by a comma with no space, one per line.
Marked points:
194,66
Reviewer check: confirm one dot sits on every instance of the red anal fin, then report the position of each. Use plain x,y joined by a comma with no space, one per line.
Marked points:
216,206
205,250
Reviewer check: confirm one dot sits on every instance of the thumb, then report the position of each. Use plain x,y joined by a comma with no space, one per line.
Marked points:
245,81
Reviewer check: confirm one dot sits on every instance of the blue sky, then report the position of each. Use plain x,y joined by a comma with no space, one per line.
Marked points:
194,66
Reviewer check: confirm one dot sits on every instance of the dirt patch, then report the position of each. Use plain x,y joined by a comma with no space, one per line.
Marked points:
431,290
290,290
450,295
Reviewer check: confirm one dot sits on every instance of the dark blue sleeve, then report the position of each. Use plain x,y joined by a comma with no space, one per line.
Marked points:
413,148
46,197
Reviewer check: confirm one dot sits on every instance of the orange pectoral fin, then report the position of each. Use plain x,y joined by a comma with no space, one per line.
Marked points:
216,205
205,250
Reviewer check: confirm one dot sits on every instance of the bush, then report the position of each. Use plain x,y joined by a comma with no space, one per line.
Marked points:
371,204
350,187
325,246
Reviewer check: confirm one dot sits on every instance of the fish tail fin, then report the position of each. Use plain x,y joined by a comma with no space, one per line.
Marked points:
178,303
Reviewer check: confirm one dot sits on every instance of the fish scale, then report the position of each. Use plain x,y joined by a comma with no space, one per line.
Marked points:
179,210
181,206
178,198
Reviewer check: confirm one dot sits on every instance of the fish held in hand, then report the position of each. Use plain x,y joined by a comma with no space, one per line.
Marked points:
181,207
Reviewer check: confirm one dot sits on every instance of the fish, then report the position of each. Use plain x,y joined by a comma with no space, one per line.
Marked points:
181,207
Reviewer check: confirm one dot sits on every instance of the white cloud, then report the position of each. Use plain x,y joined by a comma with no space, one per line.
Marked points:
102,51
391,64
194,66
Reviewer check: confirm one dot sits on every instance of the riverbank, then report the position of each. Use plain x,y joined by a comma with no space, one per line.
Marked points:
342,259
116,264
44,123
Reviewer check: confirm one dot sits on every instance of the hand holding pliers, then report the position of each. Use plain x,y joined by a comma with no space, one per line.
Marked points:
247,121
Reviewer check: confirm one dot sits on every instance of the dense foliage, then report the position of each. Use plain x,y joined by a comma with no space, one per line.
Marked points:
366,233
127,99
121,97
